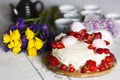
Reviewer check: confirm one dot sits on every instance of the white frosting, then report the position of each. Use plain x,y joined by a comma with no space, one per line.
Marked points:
77,54
99,43
60,35
68,40
77,26
106,35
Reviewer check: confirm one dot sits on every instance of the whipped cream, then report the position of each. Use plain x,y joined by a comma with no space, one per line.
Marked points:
77,54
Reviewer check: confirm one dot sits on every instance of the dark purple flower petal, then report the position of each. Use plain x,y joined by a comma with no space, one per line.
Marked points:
6,49
7,32
24,41
12,27
44,27
20,23
34,27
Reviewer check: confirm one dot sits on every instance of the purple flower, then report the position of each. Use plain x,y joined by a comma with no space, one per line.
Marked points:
20,23
44,27
6,49
24,41
34,27
7,32
12,27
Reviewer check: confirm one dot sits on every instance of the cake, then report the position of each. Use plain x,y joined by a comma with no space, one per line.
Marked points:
80,53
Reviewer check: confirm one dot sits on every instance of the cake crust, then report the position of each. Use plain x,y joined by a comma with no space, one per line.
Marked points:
76,74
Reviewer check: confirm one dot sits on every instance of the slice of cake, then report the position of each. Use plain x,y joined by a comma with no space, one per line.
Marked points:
79,53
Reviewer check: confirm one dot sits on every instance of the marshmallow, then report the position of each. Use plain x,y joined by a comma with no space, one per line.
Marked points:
99,43
68,40
77,26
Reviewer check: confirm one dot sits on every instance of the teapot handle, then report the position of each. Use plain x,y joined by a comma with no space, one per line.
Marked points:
41,4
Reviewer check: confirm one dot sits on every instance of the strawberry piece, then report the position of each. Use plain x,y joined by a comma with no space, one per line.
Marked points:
98,35
82,32
71,33
53,61
99,50
90,37
59,45
77,35
53,45
106,51
83,70
91,65
109,59
102,67
88,42
63,67
71,69
91,47
106,42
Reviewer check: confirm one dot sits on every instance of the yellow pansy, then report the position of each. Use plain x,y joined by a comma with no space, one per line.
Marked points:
17,43
29,34
6,38
16,34
38,43
32,52
11,44
31,43
16,50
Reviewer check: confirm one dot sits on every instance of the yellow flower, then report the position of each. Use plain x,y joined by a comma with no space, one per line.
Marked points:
15,35
32,52
31,43
16,50
38,43
11,44
29,34
17,43
6,38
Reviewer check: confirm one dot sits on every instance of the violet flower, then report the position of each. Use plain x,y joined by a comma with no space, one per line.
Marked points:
12,27
24,41
34,27
7,32
6,49
20,23
44,27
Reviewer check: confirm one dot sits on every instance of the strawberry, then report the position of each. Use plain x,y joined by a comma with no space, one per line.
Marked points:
102,67
106,42
99,50
98,35
77,35
53,45
63,67
53,61
109,59
71,33
83,70
59,45
82,32
106,51
71,69
90,37
91,47
91,65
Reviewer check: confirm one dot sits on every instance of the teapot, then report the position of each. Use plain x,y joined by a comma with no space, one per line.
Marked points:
25,9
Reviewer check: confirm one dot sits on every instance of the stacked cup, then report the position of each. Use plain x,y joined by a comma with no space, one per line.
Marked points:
70,13
91,9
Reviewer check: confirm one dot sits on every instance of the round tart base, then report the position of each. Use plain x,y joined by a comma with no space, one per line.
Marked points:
76,74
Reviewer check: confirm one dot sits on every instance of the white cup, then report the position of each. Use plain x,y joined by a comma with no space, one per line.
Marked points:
91,7
62,25
67,9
